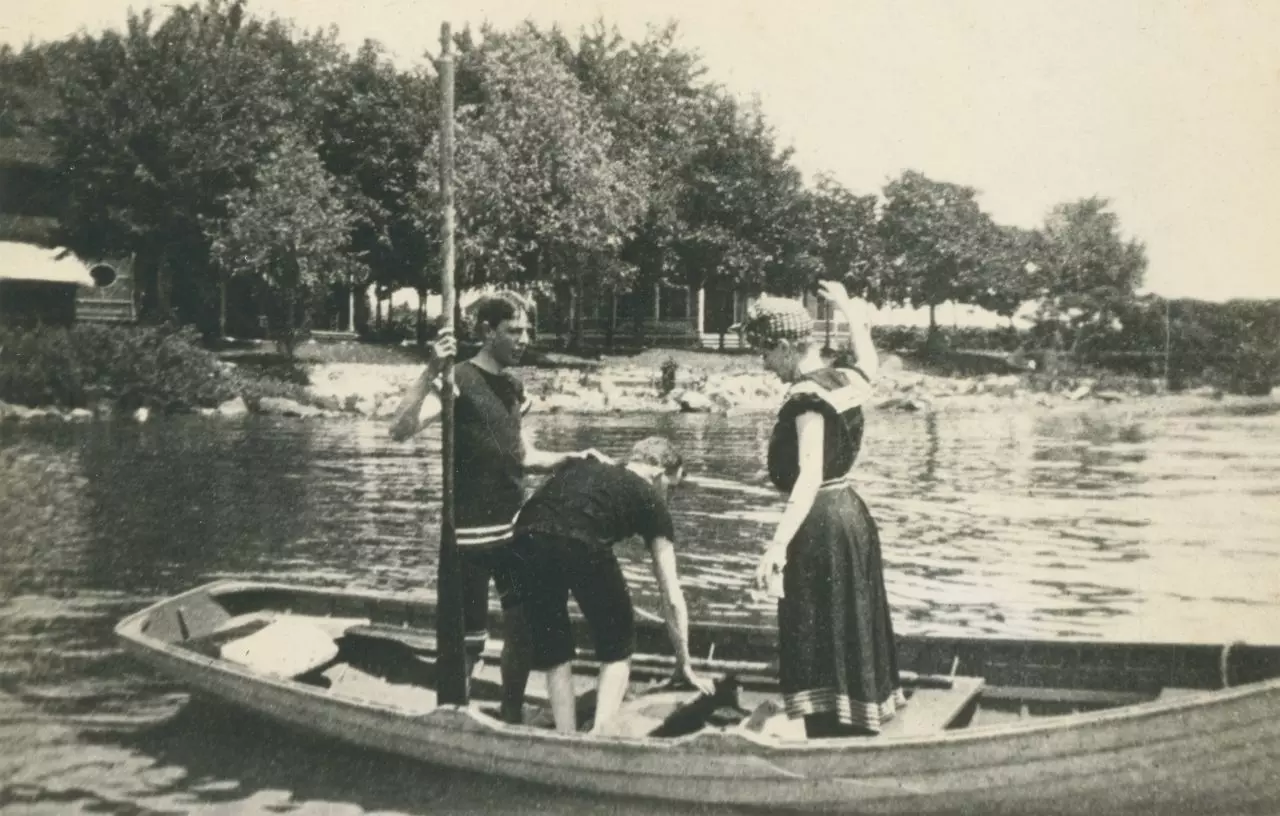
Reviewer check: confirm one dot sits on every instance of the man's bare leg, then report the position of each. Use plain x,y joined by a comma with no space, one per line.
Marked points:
614,678
563,700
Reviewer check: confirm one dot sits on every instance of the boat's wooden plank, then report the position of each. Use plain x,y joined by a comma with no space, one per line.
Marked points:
1090,698
1177,693
931,710
1071,740
286,647
194,616
352,682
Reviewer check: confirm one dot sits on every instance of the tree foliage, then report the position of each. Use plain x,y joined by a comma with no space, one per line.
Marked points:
1087,270
937,240
374,125
159,124
288,229
583,156
741,206
846,239
540,193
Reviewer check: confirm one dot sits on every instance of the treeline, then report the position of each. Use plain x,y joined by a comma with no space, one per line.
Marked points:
230,152
218,145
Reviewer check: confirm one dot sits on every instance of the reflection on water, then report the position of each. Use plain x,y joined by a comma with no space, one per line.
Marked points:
1016,524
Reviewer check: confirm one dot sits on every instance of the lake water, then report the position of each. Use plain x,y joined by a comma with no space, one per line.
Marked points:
1107,525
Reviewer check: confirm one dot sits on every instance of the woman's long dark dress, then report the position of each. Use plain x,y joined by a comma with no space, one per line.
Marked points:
838,663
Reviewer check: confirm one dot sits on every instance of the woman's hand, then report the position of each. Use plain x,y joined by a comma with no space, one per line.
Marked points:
856,310
769,570
835,292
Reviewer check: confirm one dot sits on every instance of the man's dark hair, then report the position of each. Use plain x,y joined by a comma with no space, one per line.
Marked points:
658,452
491,310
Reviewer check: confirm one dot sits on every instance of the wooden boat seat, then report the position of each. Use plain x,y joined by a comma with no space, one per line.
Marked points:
928,711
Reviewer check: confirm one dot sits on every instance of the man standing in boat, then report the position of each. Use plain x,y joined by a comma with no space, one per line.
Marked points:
492,454
564,545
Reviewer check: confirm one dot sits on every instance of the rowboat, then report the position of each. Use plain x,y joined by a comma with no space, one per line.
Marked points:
991,726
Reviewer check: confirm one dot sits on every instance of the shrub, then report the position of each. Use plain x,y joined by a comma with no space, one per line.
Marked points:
398,325
164,369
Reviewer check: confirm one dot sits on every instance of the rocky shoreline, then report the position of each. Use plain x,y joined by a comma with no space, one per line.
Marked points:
353,390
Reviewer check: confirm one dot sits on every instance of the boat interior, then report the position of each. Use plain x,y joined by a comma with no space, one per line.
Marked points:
382,652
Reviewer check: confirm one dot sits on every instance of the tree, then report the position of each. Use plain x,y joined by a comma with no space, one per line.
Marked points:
742,206
288,230
936,239
1008,278
541,200
846,238
651,95
374,125
28,100
1086,269
160,123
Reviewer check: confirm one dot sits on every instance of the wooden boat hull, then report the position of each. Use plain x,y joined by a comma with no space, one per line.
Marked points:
1210,751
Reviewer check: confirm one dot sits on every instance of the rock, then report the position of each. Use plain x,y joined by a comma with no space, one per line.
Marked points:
1108,396
1275,393
142,414
691,402
1080,393
557,403
385,409
890,363
233,408
80,415
1206,391
287,407
904,404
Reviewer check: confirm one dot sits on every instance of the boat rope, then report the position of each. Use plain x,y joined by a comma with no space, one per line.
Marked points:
1224,662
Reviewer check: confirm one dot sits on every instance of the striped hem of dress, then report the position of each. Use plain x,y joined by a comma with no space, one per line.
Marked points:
849,711
489,536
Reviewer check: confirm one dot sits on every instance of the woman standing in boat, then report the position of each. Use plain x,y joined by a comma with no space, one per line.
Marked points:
838,665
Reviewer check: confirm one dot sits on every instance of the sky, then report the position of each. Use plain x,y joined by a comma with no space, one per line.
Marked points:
1168,108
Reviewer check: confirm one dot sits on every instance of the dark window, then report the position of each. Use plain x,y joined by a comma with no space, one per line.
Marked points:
675,303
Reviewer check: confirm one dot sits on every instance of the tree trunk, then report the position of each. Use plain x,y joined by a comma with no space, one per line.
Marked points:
287,335
609,326
935,344
164,290
222,306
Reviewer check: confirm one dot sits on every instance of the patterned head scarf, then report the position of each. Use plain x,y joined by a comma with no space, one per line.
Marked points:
771,319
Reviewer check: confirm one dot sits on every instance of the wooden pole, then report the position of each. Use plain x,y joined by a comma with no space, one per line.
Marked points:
452,668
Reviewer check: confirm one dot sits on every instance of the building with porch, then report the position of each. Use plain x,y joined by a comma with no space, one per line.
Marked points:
665,315
39,278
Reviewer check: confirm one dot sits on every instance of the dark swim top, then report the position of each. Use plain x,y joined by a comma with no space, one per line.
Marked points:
838,395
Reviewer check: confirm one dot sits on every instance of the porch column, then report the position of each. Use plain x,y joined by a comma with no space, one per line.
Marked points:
700,313
657,301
